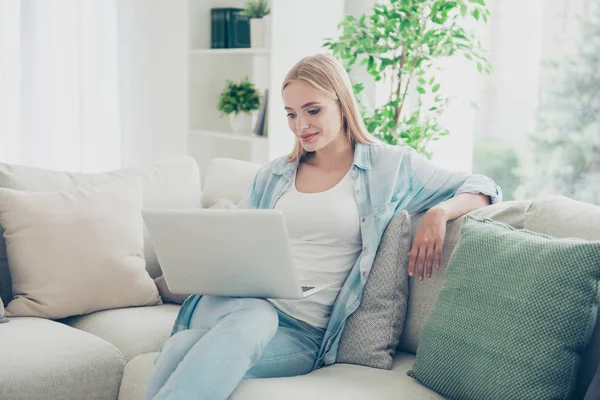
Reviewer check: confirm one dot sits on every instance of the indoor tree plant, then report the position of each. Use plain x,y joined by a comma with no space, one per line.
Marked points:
400,41
258,12
238,101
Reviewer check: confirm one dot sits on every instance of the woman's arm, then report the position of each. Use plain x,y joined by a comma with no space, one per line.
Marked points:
460,205
431,185
446,195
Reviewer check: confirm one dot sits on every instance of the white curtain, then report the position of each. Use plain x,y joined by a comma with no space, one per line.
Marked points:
59,100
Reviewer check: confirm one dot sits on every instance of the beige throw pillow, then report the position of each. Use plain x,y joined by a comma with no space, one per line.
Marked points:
76,252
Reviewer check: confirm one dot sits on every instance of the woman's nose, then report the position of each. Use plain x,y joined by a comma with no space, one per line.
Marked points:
301,124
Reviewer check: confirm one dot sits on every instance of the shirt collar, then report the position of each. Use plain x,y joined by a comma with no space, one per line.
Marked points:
362,160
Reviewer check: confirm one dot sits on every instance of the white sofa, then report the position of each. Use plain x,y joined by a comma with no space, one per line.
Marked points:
110,354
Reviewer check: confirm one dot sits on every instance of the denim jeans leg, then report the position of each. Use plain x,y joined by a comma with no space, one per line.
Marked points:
238,331
171,354
292,351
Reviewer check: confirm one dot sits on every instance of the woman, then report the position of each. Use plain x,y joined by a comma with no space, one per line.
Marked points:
338,190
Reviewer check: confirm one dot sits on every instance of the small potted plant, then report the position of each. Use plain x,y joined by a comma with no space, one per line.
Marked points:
238,101
258,12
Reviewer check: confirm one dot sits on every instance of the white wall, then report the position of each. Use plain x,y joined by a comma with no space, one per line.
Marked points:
291,39
153,60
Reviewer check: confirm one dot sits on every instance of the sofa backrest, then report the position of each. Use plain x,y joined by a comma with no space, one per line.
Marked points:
423,294
169,183
227,179
552,215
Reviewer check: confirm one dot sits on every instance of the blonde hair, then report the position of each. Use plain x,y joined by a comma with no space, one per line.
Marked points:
326,74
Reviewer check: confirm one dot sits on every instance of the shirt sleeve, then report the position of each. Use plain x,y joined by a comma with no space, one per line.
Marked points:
249,199
431,185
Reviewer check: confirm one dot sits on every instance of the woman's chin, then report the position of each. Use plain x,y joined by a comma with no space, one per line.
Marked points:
311,146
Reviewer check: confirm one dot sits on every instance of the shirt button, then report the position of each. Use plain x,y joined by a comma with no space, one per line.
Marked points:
364,274
363,219
365,248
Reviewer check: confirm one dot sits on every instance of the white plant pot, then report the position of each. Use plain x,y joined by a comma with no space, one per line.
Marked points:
259,32
241,124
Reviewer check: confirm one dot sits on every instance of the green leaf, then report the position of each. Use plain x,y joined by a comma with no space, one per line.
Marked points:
476,14
436,88
482,2
421,90
479,67
463,10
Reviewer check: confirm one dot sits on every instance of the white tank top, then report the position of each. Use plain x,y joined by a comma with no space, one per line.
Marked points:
324,231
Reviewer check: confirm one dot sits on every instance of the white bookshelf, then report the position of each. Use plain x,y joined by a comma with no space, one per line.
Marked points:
229,52
229,136
298,29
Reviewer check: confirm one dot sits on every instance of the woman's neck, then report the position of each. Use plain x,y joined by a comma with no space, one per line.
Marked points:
339,154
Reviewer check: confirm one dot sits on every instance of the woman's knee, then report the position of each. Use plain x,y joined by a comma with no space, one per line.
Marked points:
261,311
182,341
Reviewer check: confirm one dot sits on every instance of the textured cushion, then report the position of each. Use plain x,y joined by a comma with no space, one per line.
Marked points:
562,217
76,252
43,359
423,294
134,331
171,183
338,381
514,316
372,332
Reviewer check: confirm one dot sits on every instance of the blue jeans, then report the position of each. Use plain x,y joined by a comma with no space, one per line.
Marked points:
231,339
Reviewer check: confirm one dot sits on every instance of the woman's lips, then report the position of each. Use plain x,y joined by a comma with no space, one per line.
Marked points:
308,138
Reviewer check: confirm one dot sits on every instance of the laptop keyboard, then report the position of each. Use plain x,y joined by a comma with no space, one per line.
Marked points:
307,288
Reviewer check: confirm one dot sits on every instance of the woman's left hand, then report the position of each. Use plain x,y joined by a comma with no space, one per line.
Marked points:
428,243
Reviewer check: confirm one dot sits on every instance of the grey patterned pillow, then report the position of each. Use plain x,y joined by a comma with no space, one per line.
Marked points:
372,332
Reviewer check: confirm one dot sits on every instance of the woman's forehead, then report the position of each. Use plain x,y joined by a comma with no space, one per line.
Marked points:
300,92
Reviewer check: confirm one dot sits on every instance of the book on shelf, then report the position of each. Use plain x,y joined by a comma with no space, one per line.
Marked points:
229,28
260,128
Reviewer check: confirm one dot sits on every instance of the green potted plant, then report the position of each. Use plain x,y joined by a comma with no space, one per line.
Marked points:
402,42
238,101
258,12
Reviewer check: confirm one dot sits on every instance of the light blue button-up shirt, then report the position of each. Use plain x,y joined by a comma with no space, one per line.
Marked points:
387,179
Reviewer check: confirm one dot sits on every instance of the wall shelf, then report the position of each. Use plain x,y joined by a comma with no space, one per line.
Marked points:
250,138
217,52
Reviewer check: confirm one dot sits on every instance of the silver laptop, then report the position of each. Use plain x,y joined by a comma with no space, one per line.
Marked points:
238,253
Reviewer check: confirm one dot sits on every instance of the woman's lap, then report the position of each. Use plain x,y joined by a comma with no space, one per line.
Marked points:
292,350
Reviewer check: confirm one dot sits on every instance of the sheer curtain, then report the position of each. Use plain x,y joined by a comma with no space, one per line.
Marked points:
59,99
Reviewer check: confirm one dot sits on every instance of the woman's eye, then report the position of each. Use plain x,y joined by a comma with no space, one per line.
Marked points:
314,111
291,115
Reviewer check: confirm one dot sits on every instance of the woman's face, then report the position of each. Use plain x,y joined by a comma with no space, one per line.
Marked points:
313,117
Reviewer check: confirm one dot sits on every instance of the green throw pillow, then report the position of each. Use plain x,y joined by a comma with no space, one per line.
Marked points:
514,316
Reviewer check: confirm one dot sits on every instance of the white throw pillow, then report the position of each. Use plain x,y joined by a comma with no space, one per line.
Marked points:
75,252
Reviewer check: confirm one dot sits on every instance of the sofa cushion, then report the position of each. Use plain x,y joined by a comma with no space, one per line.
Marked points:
517,306
338,381
562,217
227,179
75,252
43,359
423,294
134,331
170,183
372,332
